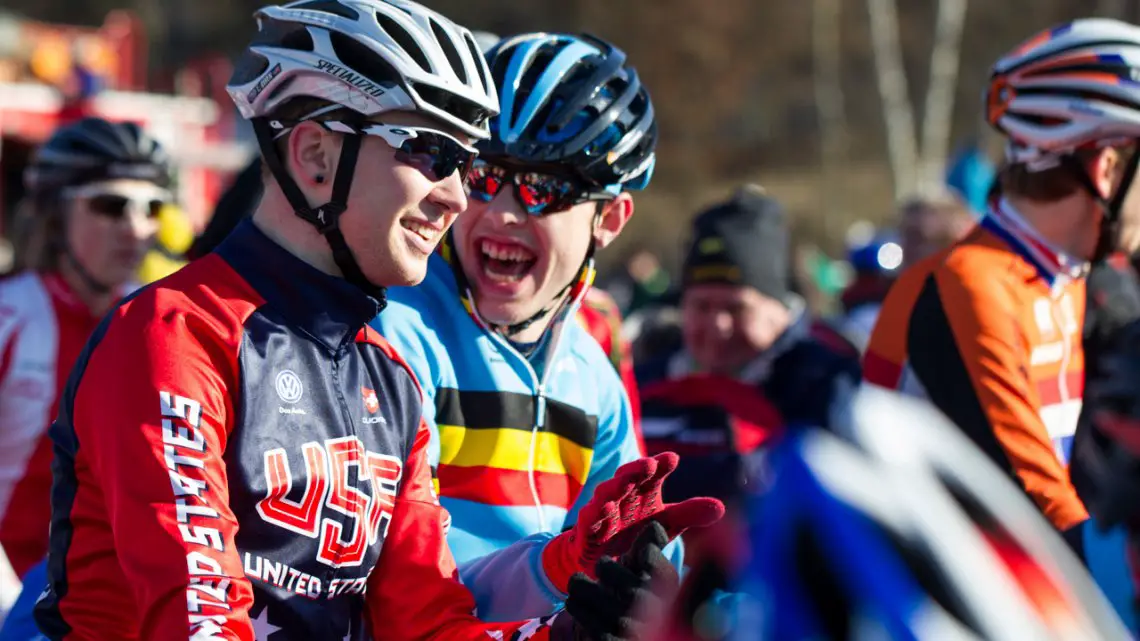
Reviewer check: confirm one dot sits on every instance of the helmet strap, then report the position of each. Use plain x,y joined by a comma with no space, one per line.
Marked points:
1109,232
560,297
325,218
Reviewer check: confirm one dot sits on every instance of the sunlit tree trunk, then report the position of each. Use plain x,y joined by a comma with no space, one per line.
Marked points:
938,114
898,113
827,51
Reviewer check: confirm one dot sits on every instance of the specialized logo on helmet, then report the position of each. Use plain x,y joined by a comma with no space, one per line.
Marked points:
263,83
351,77
289,387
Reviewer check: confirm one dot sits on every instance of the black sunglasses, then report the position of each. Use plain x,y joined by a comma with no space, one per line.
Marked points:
436,154
540,193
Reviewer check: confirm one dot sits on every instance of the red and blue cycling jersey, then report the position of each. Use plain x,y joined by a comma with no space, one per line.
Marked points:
238,455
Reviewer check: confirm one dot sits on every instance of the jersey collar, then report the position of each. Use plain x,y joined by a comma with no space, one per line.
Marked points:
328,308
1053,265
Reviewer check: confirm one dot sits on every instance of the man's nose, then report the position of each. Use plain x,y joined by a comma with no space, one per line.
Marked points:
449,194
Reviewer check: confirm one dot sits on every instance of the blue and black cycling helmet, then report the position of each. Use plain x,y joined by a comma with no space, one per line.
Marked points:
572,100
897,527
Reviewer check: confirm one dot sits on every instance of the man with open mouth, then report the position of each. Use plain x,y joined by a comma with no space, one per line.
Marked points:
527,413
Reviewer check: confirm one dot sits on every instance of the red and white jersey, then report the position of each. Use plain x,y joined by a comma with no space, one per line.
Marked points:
43,328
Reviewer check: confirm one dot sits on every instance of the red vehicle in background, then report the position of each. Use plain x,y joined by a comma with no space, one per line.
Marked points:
52,74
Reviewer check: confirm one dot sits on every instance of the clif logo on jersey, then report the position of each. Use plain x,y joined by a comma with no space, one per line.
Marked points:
371,403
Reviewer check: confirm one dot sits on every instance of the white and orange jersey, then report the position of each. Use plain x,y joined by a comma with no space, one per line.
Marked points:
990,331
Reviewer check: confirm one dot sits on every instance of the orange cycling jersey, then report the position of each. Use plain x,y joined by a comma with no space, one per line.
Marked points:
990,331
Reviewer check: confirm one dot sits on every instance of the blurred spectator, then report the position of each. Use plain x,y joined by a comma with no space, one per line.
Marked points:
643,283
929,225
926,226
92,194
753,361
970,175
874,265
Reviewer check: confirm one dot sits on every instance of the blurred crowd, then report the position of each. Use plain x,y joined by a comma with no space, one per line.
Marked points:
892,443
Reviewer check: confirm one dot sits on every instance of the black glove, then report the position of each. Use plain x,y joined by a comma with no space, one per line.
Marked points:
629,595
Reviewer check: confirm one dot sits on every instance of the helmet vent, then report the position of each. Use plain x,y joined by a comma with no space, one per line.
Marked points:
361,59
404,40
449,50
298,40
477,55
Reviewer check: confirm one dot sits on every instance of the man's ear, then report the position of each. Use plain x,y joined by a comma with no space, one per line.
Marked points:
1104,168
612,219
312,159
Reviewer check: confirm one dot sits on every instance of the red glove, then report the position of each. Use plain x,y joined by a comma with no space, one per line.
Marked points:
618,512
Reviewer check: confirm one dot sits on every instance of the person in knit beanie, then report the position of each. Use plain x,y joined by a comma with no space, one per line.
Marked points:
753,360
737,298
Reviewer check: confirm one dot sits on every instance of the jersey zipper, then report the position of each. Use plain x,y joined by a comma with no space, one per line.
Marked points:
538,392
538,387
349,425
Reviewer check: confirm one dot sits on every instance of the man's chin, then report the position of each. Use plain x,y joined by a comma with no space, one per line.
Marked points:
411,278
503,314
408,273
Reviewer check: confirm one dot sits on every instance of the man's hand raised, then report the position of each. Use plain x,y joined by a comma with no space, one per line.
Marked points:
620,509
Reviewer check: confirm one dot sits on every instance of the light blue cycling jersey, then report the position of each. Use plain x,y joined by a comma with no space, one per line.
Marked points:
518,445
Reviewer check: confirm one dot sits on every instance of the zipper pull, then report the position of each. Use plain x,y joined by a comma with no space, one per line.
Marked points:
540,408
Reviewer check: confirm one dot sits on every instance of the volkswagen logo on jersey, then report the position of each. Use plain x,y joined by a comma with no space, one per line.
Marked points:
288,386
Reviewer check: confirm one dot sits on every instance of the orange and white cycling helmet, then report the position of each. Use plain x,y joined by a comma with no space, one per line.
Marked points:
1071,87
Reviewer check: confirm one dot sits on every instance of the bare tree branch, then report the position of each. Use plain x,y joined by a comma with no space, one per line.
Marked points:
938,114
829,101
898,114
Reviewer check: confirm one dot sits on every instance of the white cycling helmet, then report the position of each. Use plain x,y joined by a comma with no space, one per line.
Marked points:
364,58
1067,87
1071,87
370,56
